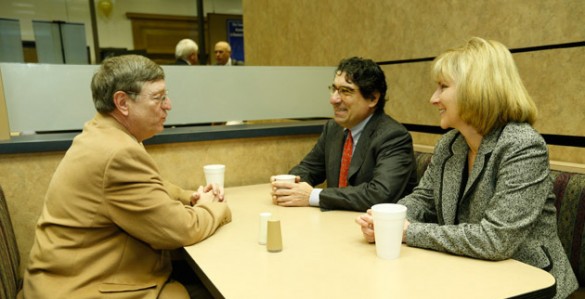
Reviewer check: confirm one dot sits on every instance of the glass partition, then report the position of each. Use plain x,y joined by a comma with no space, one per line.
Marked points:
61,98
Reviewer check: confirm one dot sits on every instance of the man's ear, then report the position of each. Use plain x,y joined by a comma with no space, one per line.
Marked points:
121,102
375,99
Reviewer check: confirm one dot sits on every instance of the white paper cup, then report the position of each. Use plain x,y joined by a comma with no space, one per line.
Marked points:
289,178
388,225
214,174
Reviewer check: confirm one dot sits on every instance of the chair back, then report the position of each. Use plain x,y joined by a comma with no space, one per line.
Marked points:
569,189
10,280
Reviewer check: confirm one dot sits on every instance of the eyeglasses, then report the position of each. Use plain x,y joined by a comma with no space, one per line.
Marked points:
342,90
157,98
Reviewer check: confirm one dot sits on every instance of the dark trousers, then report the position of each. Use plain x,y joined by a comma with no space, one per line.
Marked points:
183,273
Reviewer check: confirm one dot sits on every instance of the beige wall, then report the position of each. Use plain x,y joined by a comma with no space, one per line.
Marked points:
320,33
25,177
308,32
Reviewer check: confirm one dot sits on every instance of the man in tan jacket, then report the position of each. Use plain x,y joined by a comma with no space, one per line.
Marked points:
109,218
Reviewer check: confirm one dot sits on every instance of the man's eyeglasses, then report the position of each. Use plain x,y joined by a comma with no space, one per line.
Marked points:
157,98
342,90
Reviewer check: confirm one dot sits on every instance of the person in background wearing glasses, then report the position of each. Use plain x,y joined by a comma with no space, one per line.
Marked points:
110,220
365,155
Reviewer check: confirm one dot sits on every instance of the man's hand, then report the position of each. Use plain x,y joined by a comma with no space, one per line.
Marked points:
209,193
291,194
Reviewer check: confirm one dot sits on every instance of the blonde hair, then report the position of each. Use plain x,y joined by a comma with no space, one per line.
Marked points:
490,92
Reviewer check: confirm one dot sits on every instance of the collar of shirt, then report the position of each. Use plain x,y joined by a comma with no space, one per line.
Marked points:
357,130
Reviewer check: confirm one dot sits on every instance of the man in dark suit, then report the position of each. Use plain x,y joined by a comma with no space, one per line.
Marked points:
376,148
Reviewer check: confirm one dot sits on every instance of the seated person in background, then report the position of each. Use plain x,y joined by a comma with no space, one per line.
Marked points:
186,52
109,218
487,192
382,167
223,54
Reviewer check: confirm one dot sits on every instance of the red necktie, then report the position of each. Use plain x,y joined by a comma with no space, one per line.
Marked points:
345,159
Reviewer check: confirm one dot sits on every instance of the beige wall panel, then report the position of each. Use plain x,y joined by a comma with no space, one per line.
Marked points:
568,154
25,177
248,161
320,33
409,93
556,81
425,139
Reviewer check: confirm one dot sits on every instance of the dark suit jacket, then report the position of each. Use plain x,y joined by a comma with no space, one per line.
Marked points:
181,62
504,210
382,168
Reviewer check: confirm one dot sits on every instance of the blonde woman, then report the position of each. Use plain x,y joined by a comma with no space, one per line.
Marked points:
487,193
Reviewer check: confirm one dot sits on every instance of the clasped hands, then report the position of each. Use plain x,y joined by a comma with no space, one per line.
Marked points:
366,223
209,193
291,194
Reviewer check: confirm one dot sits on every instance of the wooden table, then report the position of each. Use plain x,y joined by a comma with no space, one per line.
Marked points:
325,256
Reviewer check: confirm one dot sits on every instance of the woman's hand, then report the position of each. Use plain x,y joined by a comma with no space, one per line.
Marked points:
366,223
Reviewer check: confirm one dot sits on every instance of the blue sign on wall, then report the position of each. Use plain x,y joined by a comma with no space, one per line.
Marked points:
235,32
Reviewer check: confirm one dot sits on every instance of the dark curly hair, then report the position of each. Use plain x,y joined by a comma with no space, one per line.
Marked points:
367,75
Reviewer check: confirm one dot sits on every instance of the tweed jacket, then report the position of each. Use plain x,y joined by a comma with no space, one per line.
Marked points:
504,210
382,169
109,220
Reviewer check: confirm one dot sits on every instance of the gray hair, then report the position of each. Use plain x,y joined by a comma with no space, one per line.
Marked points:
126,73
185,48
